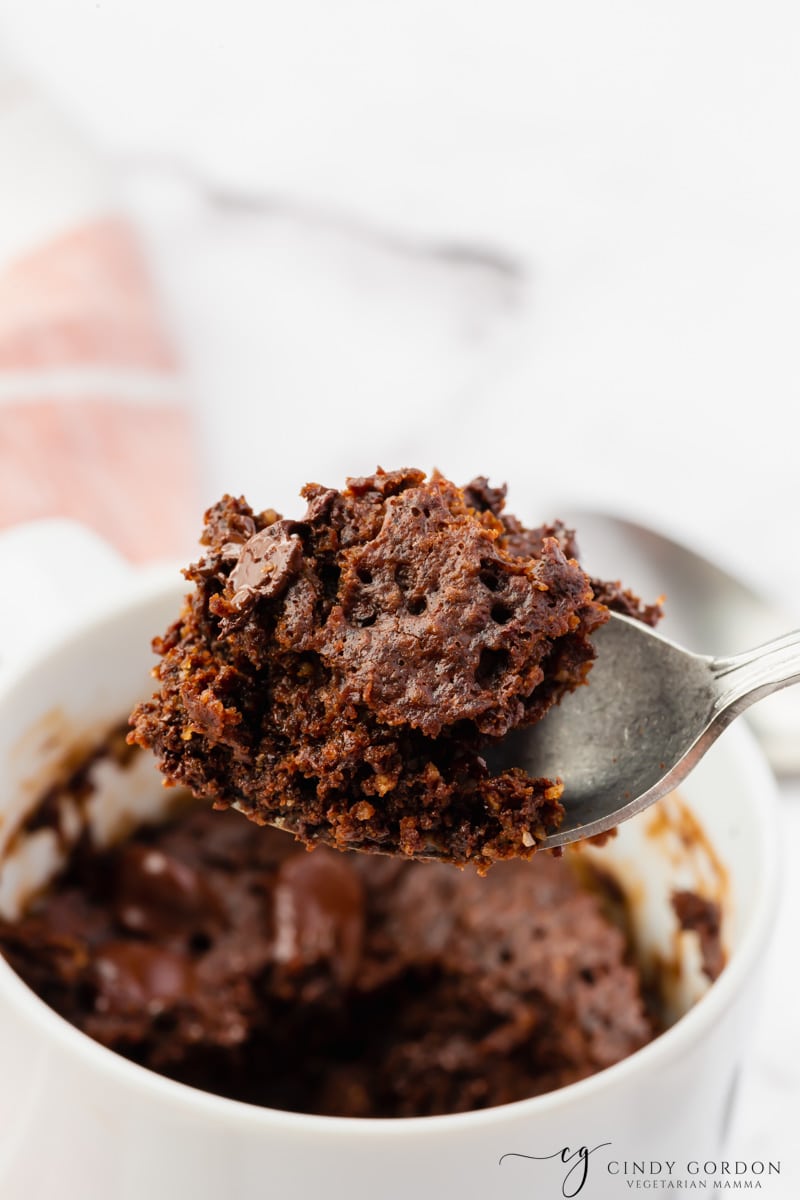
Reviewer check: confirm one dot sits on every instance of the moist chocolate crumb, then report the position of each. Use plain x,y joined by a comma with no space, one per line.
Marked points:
340,675
331,983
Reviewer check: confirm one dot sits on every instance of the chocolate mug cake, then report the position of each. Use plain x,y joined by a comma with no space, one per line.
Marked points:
231,959
340,676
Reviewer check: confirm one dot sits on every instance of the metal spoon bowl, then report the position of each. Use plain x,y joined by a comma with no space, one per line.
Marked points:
649,714
707,608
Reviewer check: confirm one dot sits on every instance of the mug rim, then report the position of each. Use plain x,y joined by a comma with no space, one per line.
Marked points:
671,1043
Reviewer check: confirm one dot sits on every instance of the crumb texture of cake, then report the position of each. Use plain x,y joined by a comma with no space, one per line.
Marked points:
320,982
340,674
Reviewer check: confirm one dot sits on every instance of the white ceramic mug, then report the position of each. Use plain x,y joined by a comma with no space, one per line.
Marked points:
78,1122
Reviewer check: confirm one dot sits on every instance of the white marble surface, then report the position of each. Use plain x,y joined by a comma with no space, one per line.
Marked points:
556,244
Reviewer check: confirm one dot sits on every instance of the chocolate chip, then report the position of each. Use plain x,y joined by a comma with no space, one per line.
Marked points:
267,563
136,975
319,913
158,895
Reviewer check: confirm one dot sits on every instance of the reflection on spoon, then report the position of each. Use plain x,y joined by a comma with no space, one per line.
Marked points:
649,714
707,609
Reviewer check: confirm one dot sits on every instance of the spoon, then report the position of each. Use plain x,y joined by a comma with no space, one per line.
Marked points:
707,608
649,714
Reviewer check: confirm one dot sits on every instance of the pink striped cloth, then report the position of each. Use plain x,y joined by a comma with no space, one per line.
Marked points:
93,423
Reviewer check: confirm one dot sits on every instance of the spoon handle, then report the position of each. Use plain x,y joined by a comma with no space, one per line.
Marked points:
745,678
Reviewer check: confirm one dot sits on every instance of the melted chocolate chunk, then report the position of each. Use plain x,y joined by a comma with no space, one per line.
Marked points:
319,915
156,894
135,977
265,565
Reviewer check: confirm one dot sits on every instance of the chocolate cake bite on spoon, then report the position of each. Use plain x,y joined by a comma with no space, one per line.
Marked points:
342,675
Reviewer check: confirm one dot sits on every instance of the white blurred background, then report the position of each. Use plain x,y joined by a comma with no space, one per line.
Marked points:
557,244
